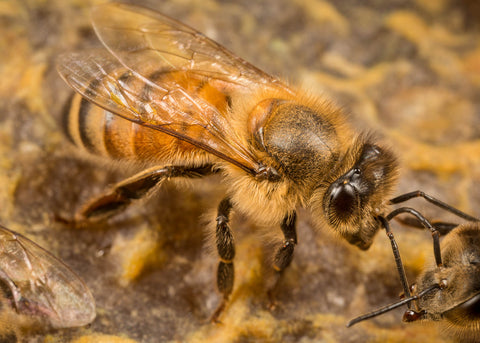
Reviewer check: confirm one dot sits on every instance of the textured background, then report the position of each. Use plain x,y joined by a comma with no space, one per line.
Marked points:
409,70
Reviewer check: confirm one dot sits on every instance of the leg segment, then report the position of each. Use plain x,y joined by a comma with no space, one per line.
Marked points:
226,251
123,193
284,254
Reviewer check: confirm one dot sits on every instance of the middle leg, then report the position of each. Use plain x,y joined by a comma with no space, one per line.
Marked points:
226,251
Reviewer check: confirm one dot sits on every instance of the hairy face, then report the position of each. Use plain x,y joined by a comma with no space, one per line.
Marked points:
351,202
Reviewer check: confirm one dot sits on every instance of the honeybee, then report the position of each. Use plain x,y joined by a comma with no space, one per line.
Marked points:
164,94
39,287
448,289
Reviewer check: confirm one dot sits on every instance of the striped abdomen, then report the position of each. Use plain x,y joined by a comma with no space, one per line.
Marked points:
104,133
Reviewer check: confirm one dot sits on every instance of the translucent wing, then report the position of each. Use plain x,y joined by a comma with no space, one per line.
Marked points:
129,31
167,76
40,285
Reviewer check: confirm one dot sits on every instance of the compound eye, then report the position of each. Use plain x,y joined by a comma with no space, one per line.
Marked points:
469,309
343,201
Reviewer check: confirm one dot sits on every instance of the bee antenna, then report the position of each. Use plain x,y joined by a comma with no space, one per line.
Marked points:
392,306
396,254
424,221
434,201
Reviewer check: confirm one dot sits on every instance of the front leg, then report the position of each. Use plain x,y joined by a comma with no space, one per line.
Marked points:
125,192
284,254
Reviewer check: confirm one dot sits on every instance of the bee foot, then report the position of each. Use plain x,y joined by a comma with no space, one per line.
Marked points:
219,310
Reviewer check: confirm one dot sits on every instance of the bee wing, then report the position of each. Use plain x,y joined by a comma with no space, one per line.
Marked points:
153,76
129,31
44,287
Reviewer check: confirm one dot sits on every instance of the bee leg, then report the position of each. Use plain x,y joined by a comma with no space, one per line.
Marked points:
226,251
284,254
123,193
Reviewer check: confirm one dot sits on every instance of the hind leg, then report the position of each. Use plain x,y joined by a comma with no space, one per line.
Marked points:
135,187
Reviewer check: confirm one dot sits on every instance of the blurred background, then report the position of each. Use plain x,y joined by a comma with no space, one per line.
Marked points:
407,70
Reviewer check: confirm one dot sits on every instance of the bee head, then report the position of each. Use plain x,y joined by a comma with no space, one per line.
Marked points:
457,302
353,200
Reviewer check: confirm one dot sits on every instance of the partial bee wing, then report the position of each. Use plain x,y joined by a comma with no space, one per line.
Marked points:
42,286
129,31
157,74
